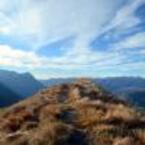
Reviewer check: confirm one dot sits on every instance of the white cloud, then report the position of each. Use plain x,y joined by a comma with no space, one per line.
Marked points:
17,58
125,18
135,41
47,20
43,21
69,66
5,24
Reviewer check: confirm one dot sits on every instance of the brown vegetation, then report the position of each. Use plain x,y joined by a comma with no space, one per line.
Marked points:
72,114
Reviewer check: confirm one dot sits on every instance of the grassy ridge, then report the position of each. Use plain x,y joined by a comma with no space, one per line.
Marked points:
72,114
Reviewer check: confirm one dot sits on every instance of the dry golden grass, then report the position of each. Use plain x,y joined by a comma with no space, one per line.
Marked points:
72,114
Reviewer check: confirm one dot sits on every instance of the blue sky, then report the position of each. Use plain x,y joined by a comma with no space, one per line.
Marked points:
72,38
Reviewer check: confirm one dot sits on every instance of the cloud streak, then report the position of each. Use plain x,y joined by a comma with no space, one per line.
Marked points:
44,24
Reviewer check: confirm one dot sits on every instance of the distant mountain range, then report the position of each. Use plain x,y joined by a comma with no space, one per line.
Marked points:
131,89
117,84
15,86
56,81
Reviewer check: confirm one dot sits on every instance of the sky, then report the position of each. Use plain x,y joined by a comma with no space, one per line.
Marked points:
73,38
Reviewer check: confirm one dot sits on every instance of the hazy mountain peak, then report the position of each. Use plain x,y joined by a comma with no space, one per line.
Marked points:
27,75
21,84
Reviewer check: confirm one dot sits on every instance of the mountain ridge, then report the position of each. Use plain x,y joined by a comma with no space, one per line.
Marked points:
77,113
21,84
119,86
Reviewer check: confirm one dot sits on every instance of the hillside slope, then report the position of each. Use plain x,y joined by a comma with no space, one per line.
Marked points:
7,96
24,84
136,97
79,113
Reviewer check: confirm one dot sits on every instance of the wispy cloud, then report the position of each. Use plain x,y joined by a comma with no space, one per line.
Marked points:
44,26
134,41
17,58
125,17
